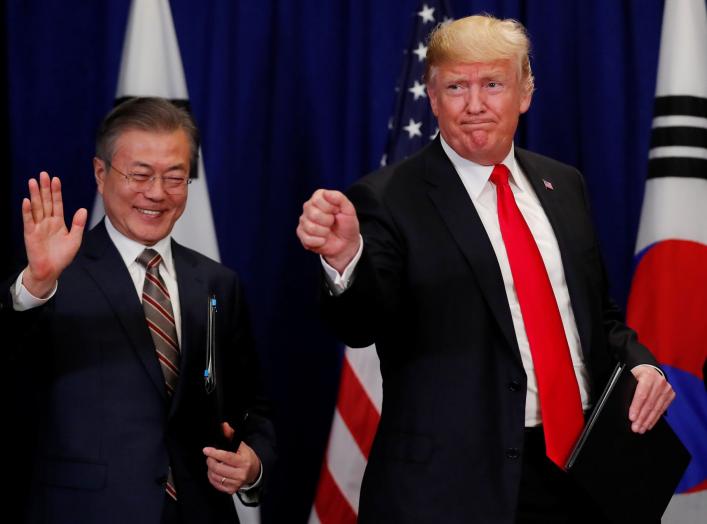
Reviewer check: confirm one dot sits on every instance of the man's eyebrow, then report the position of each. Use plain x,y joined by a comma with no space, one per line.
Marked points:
179,165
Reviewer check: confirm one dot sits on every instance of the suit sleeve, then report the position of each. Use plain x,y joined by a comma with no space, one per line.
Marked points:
246,407
371,302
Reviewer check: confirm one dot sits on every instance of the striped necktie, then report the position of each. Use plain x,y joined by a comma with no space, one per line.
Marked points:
160,320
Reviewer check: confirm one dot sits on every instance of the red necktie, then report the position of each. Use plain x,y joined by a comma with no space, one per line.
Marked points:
560,402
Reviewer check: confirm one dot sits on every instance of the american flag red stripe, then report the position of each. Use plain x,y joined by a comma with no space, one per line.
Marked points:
169,488
330,505
352,431
356,409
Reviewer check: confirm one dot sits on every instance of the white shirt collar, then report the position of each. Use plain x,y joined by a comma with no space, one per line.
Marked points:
476,176
130,249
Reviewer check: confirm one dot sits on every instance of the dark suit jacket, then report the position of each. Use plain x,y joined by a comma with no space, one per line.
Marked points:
428,291
106,429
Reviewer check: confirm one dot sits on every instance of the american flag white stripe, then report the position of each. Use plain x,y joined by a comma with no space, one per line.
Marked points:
313,518
366,366
345,460
353,429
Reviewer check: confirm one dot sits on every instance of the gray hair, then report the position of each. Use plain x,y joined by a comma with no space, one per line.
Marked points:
146,114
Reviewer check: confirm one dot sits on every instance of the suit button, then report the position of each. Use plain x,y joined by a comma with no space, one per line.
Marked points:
514,385
512,453
161,480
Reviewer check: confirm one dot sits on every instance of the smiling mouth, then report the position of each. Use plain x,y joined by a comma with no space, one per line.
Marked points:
148,212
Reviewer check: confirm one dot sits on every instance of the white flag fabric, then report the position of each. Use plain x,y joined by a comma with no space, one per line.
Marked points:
668,297
152,66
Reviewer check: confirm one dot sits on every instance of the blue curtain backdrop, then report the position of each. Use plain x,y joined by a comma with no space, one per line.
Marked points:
292,95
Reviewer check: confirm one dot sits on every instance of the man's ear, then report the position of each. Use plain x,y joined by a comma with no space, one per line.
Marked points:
99,173
525,100
432,95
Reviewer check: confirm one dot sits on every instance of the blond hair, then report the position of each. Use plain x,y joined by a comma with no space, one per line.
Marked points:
480,38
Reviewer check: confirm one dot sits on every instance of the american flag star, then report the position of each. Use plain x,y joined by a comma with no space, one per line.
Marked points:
418,90
427,13
421,52
412,104
413,128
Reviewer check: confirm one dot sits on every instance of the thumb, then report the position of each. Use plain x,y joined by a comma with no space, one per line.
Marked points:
78,224
227,430
337,198
346,207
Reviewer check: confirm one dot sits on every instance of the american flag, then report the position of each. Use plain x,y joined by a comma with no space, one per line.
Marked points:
360,396
413,125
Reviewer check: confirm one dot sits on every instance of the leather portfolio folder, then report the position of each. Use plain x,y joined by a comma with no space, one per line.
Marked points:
630,476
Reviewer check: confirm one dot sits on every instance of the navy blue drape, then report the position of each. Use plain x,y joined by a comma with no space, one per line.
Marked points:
292,95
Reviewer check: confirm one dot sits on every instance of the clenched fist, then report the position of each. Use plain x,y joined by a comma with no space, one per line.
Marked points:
329,227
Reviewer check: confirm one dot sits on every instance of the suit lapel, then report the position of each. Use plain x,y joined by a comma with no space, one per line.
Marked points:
458,212
551,201
193,297
103,263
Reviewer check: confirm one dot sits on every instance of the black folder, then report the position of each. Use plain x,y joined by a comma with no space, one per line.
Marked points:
213,384
631,477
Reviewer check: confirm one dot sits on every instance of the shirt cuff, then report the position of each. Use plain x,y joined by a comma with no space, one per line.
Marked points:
338,283
650,366
249,494
23,300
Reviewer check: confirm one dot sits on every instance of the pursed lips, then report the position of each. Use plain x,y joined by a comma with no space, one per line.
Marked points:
476,123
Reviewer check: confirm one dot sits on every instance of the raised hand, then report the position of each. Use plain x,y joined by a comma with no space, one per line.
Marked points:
50,246
329,227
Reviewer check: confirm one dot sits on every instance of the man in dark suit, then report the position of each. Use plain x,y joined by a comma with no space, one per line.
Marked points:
474,268
116,336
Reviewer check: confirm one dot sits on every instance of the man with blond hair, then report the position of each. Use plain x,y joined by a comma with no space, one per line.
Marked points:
474,268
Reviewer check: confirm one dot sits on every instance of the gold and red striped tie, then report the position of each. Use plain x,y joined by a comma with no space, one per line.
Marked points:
160,320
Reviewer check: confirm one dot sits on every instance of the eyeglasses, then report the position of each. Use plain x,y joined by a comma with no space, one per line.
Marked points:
140,182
